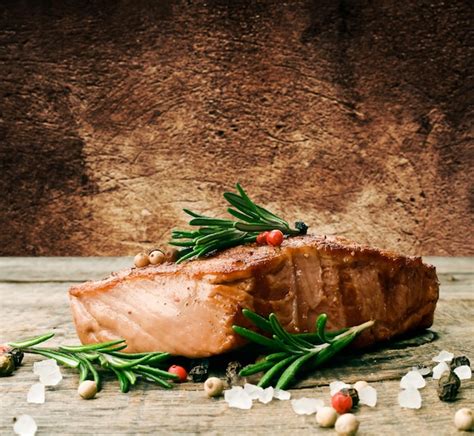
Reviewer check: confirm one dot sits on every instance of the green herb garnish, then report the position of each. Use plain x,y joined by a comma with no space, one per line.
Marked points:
94,359
288,353
217,233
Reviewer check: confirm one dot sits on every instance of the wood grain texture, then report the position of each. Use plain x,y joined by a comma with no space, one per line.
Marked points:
354,115
31,306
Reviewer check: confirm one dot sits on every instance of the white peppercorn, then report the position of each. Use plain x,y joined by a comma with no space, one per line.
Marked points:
87,389
463,419
141,260
347,425
156,257
213,386
326,417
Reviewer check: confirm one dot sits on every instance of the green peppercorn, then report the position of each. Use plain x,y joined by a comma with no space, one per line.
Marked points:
7,364
448,387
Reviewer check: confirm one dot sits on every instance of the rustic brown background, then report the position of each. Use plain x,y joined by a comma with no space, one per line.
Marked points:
353,115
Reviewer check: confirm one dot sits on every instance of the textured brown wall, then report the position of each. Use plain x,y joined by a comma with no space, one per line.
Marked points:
353,115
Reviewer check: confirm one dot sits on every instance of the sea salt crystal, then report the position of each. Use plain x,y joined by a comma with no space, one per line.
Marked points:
25,425
423,370
48,371
238,398
413,379
280,394
368,396
463,372
254,391
266,396
336,386
443,356
439,370
306,406
51,378
36,394
44,366
410,398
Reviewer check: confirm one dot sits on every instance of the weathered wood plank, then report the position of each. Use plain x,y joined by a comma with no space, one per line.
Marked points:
31,305
51,269
59,269
148,410
451,265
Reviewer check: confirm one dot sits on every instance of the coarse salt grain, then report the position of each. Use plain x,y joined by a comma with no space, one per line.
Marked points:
51,378
280,394
410,398
266,396
413,379
358,385
306,406
253,390
367,396
25,425
463,372
48,371
44,366
423,370
36,394
238,398
336,386
443,356
439,370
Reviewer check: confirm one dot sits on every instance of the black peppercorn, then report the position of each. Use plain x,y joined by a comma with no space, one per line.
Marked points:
17,356
448,387
302,227
459,361
200,370
353,394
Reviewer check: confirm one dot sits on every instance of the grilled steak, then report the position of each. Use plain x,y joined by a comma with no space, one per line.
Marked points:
189,309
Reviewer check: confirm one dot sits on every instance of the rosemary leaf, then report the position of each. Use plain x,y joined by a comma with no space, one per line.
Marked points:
107,356
79,348
118,363
289,354
240,216
63,358
123,380
216,234
255,337
255,367
275,370
32,341
258,320
289,374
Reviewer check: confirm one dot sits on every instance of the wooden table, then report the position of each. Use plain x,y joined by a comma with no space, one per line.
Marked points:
33,299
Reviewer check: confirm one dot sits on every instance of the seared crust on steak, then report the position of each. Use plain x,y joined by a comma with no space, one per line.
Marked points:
188,309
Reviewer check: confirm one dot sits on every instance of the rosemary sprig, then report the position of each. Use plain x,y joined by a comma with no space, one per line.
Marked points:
291,353
215,234
93,360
